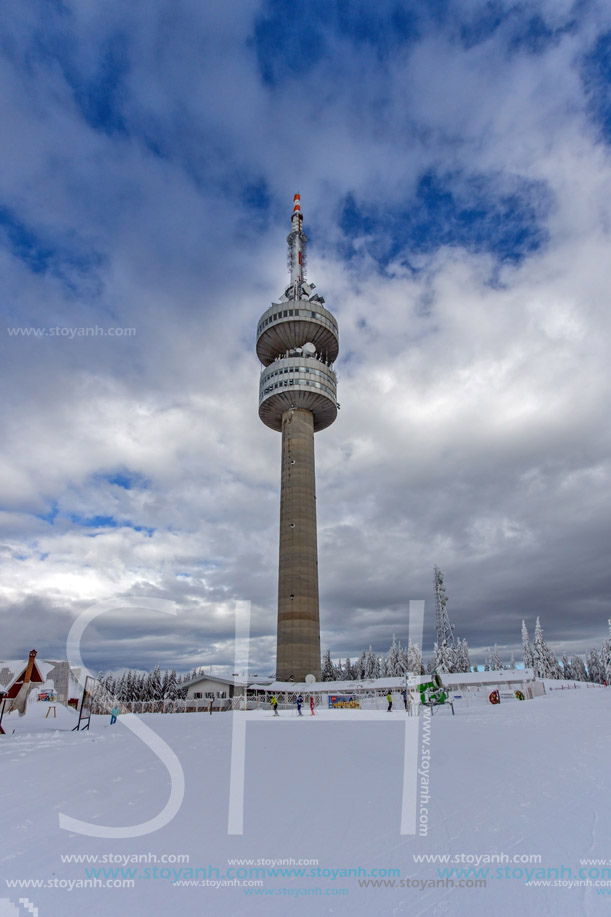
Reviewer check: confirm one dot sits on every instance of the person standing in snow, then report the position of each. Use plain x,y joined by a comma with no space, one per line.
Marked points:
274,703
389,699
114,713
299,702
404,696
312,705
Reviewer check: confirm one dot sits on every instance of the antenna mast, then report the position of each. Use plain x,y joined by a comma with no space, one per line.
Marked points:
445,631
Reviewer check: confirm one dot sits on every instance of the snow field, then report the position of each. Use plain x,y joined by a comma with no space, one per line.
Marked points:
519,779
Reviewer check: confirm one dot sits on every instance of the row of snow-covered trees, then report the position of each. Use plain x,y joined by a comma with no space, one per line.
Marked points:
454,659
141,686
595,668
156,686
396,662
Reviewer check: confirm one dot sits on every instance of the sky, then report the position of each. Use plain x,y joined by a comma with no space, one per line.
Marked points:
453,161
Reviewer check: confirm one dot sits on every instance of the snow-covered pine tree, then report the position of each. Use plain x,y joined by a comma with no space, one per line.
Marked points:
605,656
361,666
172,686
567,669
443,659
497,664
348,669
545,663
372,666
596,673
463,662
403,660
578,668
526,648
328,669
512,663
155,685
414,659
393,659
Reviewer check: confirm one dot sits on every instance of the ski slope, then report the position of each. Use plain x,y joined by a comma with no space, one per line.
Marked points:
519,780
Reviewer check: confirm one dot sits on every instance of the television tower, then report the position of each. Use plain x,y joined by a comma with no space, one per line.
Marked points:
298,342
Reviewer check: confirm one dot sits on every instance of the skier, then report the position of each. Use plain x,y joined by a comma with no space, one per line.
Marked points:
114,713
389,699
299,702
404,696
312,705
274,703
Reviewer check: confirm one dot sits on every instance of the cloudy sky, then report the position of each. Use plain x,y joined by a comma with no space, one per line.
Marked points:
453,160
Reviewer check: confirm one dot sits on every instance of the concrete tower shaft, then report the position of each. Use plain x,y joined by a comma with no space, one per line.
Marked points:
297,343
298,652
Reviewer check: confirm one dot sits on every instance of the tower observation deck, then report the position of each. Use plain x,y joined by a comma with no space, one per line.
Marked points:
297,343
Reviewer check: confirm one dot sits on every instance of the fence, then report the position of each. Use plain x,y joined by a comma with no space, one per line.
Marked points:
370,699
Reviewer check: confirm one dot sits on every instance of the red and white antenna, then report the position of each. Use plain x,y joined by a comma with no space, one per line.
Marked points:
297,242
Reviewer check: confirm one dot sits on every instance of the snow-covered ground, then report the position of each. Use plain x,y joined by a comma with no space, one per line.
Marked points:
522,780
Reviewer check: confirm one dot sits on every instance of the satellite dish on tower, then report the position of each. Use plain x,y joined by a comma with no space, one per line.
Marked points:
310,679
309,348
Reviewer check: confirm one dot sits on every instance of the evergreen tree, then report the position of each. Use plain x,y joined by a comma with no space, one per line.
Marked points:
328,669
414,659
393,667
567,669
526,649
605,656
154,684
403,660
596,673
496,662
172,686
463,662
578,668
545,663
361,666
372,666
512,663
443,659
348,671
130,686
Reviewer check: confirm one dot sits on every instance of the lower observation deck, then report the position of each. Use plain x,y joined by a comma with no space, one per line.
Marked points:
298,382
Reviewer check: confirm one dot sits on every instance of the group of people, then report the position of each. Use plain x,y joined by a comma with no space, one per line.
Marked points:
406,695
298,701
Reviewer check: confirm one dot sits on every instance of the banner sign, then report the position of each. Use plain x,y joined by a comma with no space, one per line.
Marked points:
343,700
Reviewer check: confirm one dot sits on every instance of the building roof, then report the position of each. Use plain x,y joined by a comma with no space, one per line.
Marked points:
206,676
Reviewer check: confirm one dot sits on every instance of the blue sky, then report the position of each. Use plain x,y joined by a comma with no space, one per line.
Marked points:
454,166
